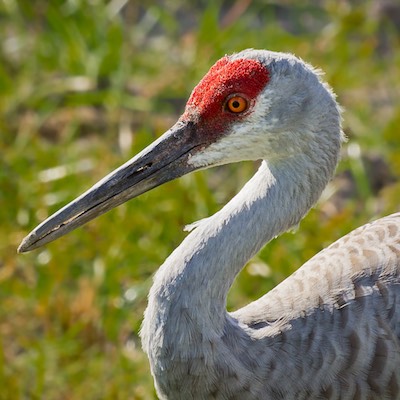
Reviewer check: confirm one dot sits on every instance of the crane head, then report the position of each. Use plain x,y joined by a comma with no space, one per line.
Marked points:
250,105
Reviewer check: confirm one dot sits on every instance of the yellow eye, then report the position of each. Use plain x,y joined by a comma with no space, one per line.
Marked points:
237,104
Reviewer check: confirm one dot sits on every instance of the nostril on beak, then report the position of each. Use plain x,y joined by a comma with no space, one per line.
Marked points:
147,166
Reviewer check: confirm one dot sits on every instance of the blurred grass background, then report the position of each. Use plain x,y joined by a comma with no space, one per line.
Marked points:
84,85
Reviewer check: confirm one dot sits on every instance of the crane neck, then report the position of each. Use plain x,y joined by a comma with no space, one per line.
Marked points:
190,288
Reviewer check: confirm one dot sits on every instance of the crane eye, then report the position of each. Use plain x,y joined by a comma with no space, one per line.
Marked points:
237,104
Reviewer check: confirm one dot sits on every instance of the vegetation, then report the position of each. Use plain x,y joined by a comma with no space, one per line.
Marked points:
84,85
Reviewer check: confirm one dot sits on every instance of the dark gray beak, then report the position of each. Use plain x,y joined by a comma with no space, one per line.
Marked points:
162,161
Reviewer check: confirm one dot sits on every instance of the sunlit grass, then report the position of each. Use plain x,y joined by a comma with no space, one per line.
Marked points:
86,85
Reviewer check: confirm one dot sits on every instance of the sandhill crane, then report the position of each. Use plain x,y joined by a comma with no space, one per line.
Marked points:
329,331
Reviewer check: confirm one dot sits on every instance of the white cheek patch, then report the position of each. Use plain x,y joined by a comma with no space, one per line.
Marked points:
246,140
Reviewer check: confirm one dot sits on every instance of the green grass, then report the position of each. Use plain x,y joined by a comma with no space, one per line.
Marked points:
86,85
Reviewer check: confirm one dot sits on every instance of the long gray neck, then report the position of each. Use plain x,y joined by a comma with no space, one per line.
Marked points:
190,289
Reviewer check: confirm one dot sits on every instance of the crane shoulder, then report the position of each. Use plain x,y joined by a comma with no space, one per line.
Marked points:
364,263
337,319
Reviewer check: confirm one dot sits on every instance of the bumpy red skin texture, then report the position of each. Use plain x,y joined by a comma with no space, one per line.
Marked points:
206,106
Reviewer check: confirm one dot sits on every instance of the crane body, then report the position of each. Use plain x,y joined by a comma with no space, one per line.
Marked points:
329,331
294,342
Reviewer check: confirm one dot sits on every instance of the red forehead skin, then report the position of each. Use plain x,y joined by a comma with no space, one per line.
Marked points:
226,77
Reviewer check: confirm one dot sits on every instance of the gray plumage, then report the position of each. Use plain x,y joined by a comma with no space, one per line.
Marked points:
329,331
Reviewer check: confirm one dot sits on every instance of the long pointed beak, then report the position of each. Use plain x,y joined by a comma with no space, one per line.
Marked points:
162,161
